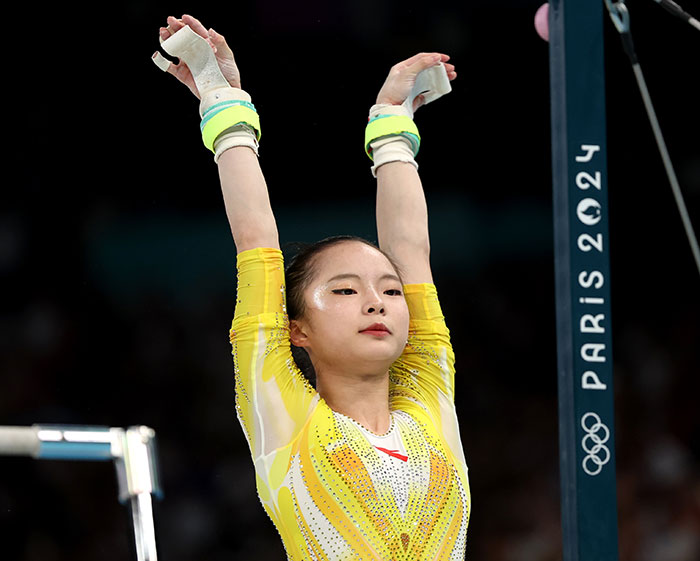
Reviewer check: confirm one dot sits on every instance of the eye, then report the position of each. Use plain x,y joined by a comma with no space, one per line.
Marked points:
344,291
393,292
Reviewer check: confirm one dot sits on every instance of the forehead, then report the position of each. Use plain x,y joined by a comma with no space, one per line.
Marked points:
352,257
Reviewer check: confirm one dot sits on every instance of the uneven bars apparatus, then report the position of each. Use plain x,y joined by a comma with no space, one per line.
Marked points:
582,281
582,265
132,450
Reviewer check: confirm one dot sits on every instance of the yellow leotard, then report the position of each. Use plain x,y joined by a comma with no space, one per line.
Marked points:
334,490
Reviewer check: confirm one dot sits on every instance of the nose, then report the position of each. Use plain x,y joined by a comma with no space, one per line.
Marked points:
376,309
374,305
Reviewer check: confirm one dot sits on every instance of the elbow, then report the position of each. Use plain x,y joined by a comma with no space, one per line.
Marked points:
250,238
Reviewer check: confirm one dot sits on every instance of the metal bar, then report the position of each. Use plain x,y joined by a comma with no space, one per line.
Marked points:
135,460
58,442
19,441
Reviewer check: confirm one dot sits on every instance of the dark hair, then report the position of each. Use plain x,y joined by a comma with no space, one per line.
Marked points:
299,272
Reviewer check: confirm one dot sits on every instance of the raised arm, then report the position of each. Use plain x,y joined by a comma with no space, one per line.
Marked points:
243,185
402,216
402,220
247,202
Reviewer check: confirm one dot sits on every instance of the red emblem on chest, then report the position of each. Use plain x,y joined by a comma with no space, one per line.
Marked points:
393,453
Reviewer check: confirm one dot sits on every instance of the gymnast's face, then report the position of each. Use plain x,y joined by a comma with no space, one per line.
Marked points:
356,316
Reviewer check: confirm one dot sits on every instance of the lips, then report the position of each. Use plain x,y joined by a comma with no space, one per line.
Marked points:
376,329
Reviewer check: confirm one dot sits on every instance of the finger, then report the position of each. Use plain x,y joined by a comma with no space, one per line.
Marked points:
423,62
195,25
412,59
419,56
173,26
218,41
418,102
176,70
161,62
450,69
175,23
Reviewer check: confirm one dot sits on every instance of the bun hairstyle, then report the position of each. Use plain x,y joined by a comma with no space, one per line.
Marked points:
299,273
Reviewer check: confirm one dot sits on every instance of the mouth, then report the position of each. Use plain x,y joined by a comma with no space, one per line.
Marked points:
376,329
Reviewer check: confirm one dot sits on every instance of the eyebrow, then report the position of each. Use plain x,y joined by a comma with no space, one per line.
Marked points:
344,276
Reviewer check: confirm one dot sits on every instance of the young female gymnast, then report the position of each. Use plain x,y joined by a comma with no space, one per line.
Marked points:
368,464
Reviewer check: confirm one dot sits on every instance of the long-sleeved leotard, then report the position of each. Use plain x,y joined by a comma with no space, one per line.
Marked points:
334,490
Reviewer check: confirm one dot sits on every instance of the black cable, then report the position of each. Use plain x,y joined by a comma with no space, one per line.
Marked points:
677,11
620,17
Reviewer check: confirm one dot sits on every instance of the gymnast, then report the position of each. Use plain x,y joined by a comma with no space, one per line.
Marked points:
366,462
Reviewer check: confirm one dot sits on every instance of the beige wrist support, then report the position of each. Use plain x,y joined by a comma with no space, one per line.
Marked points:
393,148
239,135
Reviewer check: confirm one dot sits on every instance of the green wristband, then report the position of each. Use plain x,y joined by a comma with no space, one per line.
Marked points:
391,125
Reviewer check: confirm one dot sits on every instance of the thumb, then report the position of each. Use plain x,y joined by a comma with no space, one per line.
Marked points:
420,99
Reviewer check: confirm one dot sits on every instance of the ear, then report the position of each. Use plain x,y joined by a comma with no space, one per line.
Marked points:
297,333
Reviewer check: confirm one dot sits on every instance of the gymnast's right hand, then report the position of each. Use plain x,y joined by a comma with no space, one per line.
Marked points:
224,55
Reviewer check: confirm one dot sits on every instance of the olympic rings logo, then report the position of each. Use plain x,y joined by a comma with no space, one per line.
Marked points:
593,443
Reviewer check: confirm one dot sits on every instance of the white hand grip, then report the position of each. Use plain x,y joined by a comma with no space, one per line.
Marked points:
432,83
199,58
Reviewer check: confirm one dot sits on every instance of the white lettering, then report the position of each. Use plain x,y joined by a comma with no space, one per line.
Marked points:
594,278
586,242
591,300
584,180
590,352
590,149
591,324
590,381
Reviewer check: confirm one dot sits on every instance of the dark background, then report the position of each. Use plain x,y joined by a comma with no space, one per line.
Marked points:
118,266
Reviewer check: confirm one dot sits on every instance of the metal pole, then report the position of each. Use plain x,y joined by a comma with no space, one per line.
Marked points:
582,281
137,474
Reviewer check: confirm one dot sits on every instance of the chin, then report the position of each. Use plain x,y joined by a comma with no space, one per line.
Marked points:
386,355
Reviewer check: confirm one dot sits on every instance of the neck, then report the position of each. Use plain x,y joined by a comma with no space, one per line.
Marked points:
364,399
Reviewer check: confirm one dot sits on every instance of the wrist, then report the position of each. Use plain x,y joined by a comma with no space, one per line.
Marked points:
229,119
386,109
221,95
389,150
386,101
391,136
240,135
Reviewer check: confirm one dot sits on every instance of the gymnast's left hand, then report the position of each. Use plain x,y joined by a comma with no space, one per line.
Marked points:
402,76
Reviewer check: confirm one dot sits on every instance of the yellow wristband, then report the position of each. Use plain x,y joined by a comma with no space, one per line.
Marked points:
227,118
392,125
